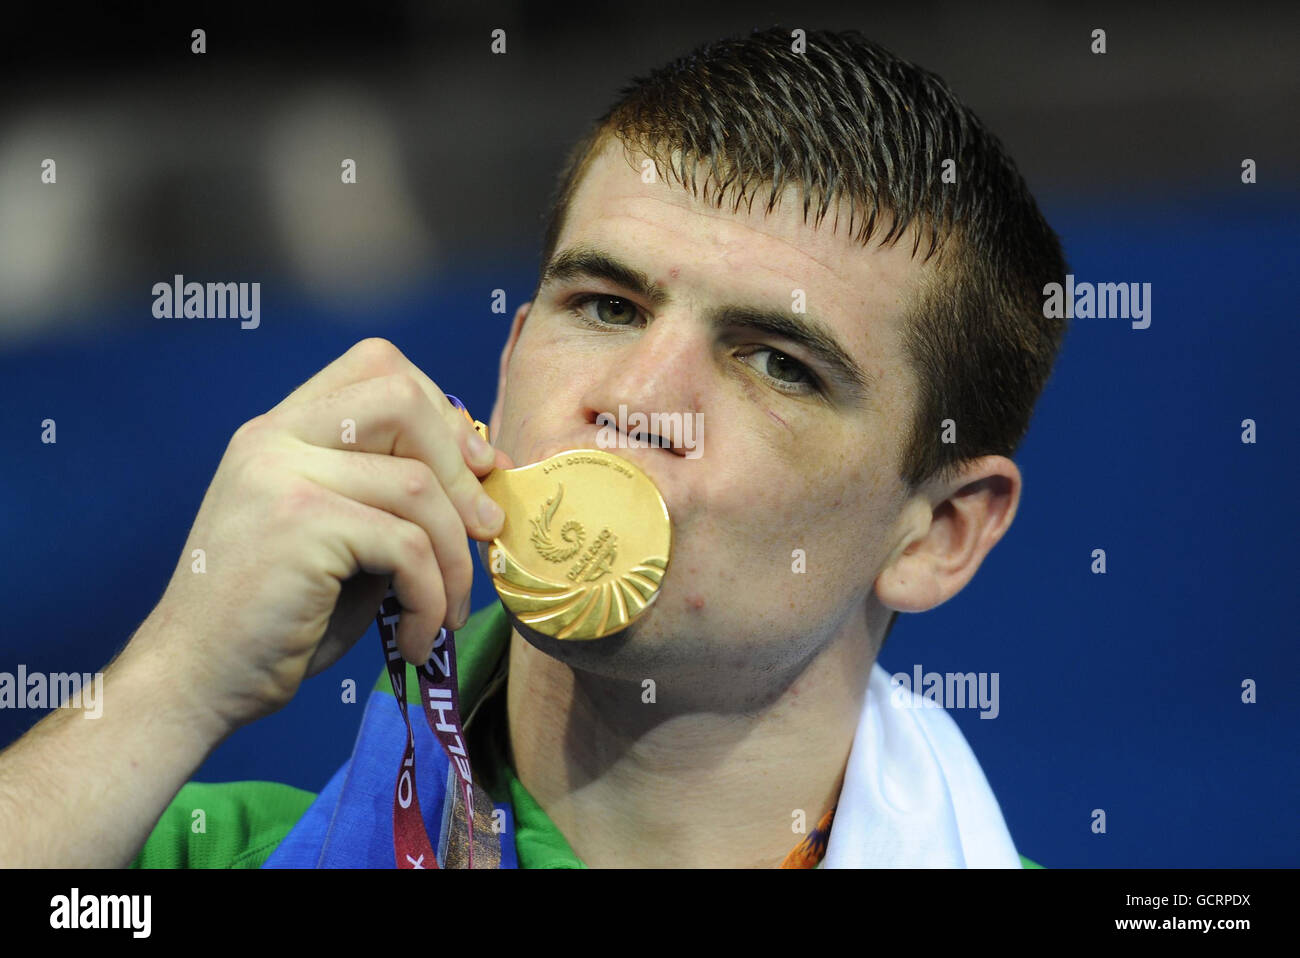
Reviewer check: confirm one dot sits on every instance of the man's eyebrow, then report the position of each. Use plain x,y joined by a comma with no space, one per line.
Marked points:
589,262
583,261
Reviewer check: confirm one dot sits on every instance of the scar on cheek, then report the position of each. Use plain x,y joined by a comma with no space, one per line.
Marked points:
778,419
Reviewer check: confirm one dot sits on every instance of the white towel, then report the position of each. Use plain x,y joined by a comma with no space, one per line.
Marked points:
914,795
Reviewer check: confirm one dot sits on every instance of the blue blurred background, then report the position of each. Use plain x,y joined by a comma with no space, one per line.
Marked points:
1119,691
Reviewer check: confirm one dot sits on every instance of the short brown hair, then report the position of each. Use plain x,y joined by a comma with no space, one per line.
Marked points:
846,119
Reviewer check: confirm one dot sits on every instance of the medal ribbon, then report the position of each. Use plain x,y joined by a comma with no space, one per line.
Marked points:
439,693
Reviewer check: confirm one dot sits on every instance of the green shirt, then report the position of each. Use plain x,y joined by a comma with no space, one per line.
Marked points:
239,824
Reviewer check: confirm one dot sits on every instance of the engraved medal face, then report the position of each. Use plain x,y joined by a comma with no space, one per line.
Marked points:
585,545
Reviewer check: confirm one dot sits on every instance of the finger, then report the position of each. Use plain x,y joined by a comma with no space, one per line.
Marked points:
408,489
375,358
369,359
391,415
378,542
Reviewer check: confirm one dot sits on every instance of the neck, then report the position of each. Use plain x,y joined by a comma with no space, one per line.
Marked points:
672,783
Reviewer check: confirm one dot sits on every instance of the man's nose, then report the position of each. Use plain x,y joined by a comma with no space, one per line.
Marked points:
664,370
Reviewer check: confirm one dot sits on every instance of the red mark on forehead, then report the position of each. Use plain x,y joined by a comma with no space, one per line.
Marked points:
674,271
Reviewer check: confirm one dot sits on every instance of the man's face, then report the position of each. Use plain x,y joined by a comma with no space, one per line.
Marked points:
795,458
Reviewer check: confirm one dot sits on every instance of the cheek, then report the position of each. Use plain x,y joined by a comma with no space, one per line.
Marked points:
540,370
759,526
534,356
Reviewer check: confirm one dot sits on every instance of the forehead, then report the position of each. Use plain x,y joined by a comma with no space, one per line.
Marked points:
747,255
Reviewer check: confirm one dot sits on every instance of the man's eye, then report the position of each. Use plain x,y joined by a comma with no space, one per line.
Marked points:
606,310
783,369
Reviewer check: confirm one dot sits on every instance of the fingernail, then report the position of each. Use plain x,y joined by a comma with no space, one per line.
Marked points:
489,513
480,451
464,613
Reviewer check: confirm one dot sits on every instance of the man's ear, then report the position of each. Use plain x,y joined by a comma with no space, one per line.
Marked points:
494,424
949,529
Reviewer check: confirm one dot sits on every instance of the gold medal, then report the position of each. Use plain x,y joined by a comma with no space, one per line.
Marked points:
585,544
